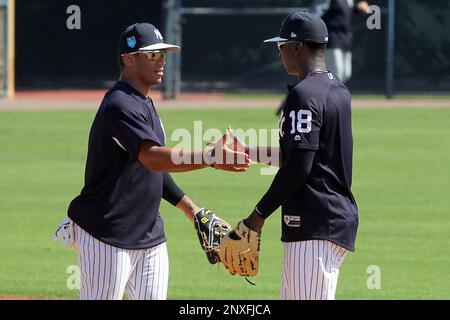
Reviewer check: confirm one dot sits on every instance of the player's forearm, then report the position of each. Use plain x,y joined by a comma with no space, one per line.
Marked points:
188,207
266,155
288,179
164,159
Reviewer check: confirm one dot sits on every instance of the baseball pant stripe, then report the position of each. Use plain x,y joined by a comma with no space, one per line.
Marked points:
319,287
140,271
107,271
129,290
117,273
284,263
298,283
151,268
85,258
150,278
94,268
316,268
146,280
284,274
111,273
313,272
90,271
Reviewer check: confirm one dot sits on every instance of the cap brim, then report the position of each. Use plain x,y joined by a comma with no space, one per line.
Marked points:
276,39
160,46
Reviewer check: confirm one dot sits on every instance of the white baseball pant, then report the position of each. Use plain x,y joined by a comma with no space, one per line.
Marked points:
339,63
107,272
311,270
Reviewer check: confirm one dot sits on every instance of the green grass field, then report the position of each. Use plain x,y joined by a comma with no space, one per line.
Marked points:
279,96
401,181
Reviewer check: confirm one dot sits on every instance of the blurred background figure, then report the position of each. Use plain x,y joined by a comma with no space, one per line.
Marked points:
337,15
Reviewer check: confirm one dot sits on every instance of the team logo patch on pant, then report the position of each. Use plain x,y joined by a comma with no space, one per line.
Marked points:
292,221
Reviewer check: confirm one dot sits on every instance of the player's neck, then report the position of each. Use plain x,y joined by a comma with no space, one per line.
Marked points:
143,88
312,64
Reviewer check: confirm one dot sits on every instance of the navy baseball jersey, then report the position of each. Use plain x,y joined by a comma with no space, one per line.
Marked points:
119,203
317,116
338,19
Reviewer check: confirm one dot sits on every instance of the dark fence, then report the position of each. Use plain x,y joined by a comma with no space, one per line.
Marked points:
49,55
223,52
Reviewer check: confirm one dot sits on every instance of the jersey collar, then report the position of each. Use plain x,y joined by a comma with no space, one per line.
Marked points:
124,84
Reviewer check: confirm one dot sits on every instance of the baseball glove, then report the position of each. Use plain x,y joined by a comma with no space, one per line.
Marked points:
239,250
210,230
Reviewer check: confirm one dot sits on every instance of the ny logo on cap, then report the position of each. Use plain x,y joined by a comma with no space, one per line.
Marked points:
158,34
293,35
131,41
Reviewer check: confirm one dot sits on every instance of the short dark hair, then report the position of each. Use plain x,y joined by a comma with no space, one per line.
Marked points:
120,62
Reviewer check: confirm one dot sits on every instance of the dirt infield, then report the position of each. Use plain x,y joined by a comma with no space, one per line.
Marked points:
90,99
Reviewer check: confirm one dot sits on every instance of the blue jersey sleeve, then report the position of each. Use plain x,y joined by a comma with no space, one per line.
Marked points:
300,123
129,128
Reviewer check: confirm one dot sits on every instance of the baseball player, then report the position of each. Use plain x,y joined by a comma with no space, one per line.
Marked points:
319,213
116,225
337,15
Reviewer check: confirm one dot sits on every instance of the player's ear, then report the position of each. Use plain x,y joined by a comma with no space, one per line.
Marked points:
127,60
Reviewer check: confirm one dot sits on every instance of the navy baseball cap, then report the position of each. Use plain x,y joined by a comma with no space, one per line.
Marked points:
143,37
302,26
